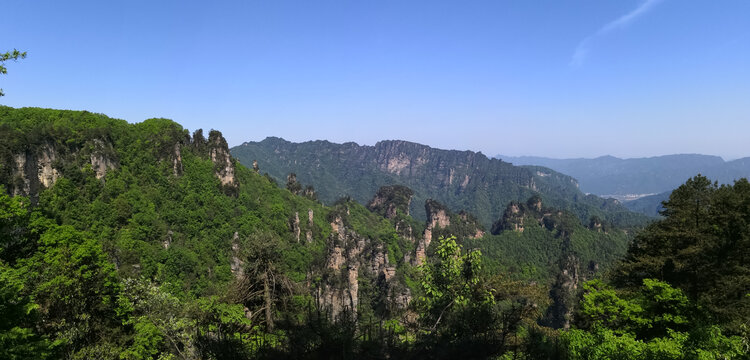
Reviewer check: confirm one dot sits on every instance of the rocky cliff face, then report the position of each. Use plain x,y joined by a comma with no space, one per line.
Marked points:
460,179
101,161
353,258
441,222
218,151
519,215
563,294
39,166
339,292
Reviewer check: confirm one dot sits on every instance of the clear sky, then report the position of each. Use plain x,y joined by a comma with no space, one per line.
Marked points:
578,78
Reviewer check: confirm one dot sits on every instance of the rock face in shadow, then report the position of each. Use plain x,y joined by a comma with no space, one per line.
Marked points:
389,200
563,294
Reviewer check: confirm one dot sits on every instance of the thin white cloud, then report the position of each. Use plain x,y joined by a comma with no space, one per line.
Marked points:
583,48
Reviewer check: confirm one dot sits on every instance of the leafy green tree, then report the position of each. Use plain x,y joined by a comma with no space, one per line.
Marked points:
14,216
76,287
162,324
656,322
456,310
18,338
10,55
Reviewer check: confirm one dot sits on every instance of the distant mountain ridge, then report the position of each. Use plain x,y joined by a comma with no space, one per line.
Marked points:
463,180
609,175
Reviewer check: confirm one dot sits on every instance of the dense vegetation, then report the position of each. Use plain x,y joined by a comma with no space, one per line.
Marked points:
462,180
140,241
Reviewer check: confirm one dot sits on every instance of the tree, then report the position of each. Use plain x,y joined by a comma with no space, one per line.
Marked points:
76,287
702,246
457,311
18,339
10,55
655,322
263,281
14,215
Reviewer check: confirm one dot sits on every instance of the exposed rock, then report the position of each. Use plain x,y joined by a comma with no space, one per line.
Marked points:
339,294
437,217
517,214
442,223
379,264
397,164
24,172
218,150
255,166
308,233
513,219
563,294
391,199
236,264
46,172
431,173
437,214
167,240
295,225
292,184
177,160
100,161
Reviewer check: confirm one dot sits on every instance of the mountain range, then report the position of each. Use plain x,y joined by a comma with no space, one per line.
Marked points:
462,180
609,175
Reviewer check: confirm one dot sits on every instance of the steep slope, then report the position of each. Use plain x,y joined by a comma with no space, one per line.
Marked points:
120,231
463,180
608,175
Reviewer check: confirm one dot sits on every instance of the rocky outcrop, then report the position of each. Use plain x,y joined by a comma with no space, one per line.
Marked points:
437,217
389,200
340,291
35,169
177,160
563,294
441,222
167,242
449,176
23,173
295,225
218,151
513,219
47,173
101,160
519,215
40,166
309,233
379,264
236,264
353,258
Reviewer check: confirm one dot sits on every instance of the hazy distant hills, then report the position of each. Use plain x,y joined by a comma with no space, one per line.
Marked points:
463,180
608,175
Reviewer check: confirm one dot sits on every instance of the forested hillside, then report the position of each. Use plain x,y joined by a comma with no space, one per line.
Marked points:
144,241
463,180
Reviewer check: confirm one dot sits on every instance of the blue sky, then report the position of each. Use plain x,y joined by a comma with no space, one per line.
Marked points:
578,78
